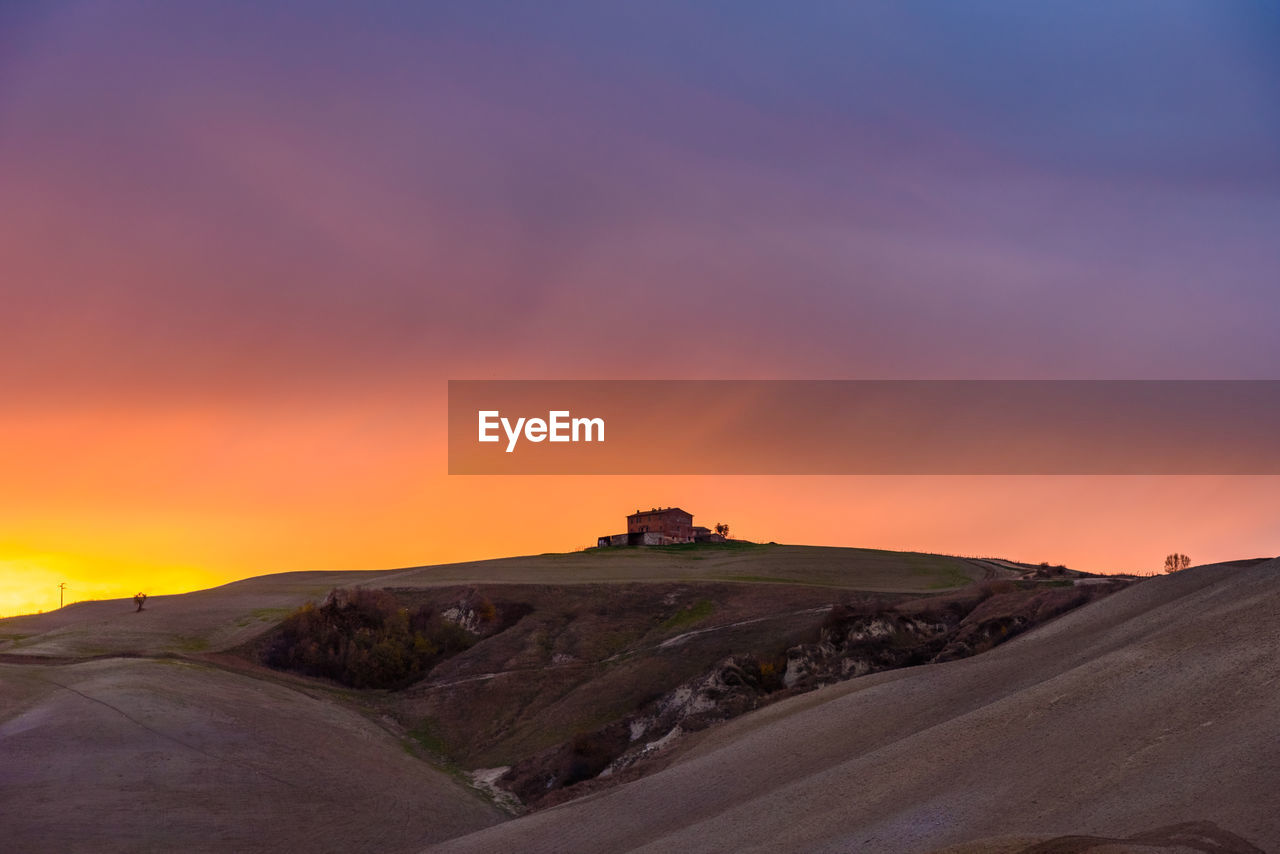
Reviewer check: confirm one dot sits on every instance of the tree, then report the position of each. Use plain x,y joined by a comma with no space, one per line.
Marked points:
139,599
722,528
1176,562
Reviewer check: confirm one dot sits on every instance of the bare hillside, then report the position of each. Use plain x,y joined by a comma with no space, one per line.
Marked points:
167,755
1154,707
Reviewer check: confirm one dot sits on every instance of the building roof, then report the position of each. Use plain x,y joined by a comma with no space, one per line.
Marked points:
660,510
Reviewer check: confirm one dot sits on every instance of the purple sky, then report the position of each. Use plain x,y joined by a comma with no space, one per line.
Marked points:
395,192
230,211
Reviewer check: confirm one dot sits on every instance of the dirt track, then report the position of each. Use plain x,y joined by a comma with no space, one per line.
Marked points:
1152,708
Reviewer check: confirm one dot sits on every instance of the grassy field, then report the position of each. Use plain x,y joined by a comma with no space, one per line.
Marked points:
226,616
824,566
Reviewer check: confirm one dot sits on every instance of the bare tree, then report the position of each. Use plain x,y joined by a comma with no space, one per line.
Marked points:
1176,562
139,599
722,528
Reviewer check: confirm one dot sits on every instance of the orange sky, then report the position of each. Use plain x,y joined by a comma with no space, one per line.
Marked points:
166,500
242,252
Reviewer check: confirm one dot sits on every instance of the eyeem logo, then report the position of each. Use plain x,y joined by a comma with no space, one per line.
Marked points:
557,427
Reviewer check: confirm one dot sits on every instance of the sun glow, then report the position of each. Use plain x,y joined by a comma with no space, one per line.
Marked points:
30,583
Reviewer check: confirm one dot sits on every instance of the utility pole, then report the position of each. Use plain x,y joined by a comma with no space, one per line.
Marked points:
61,590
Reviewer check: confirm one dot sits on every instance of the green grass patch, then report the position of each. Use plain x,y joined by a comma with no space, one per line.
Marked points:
608,644
424,739
190,643
949,578
706,548
429,739
773,579
690,614
693,551
263,615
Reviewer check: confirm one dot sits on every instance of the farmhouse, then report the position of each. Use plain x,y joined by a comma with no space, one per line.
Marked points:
660,526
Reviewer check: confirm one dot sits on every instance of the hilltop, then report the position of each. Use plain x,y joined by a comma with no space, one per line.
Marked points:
223,617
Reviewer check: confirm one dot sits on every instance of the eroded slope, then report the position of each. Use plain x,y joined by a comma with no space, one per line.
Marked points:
1151,708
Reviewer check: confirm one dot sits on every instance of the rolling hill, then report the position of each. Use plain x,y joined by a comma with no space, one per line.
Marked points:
133,754
1150,708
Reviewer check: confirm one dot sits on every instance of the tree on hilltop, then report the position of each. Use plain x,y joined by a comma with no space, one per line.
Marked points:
1176,562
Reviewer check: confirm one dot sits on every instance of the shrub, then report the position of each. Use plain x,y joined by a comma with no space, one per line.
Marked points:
591,753
363,638
771,672
996,587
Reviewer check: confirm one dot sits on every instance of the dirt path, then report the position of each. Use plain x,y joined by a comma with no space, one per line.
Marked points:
679,639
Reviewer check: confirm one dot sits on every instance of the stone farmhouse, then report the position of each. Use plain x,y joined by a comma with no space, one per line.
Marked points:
660,526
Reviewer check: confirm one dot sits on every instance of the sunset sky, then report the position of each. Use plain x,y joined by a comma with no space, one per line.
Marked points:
243,247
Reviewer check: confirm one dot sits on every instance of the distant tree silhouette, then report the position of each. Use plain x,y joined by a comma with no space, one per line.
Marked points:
139,599
1176,562
722,528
